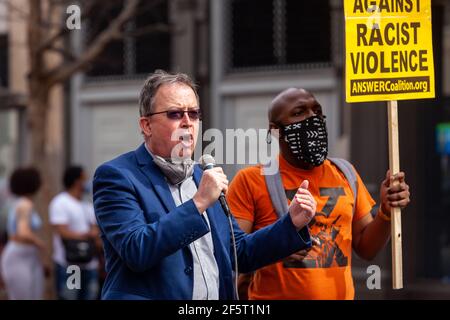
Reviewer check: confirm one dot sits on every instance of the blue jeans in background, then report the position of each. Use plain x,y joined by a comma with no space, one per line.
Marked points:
89,286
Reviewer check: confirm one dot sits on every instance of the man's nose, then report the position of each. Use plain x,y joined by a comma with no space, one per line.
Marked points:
186,121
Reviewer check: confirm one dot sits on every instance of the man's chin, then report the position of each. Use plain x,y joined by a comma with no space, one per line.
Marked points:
186,153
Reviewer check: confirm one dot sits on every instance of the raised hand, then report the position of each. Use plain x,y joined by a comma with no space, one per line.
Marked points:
303,206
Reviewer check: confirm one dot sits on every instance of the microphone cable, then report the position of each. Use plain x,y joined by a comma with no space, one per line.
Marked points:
236,271
208,162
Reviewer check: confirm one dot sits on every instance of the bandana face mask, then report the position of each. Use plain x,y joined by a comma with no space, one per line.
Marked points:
308,140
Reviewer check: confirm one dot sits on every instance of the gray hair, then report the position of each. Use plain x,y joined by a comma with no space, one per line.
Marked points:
156,80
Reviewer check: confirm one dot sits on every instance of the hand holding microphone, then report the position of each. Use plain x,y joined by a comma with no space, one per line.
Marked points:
303,206
213,185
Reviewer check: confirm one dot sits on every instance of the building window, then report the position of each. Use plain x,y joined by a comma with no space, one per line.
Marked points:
267,34
152,48
145,47
4,60
308,31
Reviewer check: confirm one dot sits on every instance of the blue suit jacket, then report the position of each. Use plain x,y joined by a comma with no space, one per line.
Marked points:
146,237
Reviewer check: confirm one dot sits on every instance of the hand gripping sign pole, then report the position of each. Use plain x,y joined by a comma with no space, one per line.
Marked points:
389,57
396,218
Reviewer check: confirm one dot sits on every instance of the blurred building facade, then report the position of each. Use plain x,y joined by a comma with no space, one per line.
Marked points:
14,69
243,53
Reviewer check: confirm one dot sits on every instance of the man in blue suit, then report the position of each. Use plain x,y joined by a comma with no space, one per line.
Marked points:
165,235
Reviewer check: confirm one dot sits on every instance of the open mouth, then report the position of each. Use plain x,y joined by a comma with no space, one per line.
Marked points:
186,139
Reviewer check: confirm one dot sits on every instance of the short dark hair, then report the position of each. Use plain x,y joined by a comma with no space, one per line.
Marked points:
156,80
25,181
72,174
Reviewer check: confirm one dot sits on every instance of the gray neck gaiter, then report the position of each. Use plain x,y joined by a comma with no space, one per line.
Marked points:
175,171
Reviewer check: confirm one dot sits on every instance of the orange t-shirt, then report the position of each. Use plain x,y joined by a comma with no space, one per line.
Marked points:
325,273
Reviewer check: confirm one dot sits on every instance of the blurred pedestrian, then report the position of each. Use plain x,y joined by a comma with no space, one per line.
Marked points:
4,201
24,257
76,237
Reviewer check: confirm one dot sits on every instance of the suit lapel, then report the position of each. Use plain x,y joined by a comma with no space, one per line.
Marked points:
156,178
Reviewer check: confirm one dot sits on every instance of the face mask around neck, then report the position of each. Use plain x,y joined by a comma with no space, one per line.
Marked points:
175,171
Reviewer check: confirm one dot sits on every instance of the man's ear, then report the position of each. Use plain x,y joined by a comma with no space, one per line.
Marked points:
146,127
274,129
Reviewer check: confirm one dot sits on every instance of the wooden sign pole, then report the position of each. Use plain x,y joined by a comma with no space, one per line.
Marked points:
396,219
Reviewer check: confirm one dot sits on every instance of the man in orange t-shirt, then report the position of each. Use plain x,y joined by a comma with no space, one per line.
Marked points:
340,224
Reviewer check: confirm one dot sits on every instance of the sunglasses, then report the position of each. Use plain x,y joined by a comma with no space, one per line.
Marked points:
179,114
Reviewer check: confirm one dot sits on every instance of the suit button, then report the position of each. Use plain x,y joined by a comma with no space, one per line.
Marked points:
188,270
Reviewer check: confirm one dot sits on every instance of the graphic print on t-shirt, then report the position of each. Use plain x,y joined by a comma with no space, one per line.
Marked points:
325,227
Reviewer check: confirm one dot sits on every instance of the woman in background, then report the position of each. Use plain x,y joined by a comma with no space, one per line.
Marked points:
22,263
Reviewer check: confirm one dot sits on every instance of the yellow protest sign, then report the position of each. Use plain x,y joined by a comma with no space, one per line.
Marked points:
389,52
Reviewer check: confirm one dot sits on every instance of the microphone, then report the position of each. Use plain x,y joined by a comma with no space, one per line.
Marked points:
207,162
